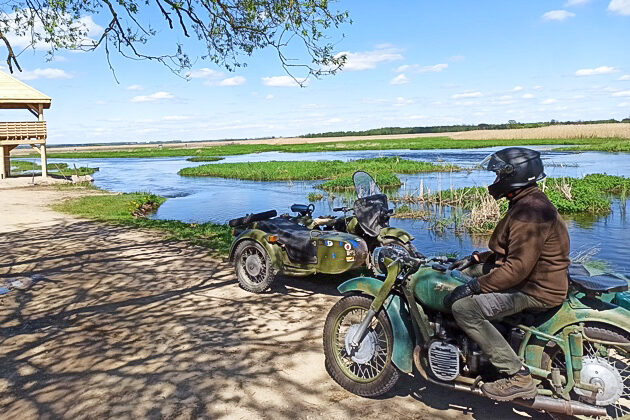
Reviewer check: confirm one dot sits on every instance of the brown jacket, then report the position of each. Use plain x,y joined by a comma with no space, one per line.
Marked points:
530,245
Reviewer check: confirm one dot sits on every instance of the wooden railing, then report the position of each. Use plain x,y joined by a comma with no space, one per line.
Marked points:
22,131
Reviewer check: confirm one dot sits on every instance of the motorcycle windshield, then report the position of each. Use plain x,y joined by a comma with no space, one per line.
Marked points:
365,185
371,206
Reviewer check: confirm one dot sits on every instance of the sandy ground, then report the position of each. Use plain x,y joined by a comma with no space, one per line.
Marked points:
124,324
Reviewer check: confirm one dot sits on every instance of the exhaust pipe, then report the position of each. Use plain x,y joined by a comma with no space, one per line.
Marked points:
555,405
541,402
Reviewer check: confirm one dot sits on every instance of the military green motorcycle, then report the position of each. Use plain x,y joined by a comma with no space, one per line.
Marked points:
266,244
579,352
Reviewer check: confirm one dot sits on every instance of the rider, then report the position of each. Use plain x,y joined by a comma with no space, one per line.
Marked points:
525,269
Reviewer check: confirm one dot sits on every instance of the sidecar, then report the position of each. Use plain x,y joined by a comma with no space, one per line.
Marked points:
267,244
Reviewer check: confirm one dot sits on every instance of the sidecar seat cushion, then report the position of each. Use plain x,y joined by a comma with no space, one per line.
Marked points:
296,239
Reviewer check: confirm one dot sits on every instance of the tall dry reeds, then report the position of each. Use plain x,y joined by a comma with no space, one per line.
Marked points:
573,131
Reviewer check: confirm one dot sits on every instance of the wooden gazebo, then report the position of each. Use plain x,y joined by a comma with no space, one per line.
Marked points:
17,95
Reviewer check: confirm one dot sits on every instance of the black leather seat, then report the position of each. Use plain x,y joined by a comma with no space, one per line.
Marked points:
604,283
296,239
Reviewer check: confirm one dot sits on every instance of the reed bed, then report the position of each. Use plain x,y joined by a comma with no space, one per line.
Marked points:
572,131
479,212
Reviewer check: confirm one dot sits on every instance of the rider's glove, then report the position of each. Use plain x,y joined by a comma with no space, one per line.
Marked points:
465,262
460,292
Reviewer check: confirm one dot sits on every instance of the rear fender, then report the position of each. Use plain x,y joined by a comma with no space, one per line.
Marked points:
574,312
398,314
259,237
395,233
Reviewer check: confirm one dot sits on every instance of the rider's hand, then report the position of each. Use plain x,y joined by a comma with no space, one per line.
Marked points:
464,262
460,292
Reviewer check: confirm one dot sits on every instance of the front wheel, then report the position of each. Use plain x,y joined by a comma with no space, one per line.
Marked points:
367,371
253,267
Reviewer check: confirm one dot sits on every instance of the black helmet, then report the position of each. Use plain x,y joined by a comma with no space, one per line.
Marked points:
516,167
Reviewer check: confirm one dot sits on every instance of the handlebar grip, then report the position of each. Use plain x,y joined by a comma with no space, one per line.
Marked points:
339,208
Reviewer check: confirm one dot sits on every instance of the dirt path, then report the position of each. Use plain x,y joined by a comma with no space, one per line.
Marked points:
123,324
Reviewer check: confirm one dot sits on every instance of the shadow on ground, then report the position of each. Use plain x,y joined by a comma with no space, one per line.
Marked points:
123,324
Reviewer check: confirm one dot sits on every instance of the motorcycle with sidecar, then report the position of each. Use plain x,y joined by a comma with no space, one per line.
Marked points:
266,244
578,352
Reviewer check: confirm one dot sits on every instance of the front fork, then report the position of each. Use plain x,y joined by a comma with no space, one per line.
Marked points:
392,273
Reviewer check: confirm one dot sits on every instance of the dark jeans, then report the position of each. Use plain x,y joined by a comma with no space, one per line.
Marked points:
474,313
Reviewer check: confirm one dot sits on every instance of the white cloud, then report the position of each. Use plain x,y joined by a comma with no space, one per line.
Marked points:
400,101
204,73
558,15
623,93
466,95
357,61
416,68
527,96
549,101
596,71
176,118
280,81
517,88
47,73
625,77
624,104
233,81
620,7
416,117
270,96
537,87
401,79
134,87
157,96
571,3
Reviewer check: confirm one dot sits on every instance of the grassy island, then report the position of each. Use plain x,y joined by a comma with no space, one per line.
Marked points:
338,173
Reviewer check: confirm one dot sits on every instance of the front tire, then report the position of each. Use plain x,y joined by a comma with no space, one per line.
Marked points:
253,265
369,371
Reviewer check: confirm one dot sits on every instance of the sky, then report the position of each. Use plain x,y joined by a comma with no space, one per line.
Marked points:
409,63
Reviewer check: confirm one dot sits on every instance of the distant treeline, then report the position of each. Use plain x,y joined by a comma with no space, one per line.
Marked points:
450,128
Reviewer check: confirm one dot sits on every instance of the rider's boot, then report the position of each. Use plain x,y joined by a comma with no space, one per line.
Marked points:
519,385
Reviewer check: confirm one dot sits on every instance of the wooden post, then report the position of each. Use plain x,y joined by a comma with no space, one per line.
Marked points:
42,150
5,165
40,117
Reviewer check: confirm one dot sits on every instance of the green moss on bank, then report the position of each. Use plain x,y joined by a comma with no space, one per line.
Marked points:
118,209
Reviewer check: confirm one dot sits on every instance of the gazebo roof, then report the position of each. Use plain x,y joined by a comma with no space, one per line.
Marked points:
16,94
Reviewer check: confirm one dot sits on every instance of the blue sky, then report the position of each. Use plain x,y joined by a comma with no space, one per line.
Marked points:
410,63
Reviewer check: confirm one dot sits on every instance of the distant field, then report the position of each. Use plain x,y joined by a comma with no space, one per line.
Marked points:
604,137
579,131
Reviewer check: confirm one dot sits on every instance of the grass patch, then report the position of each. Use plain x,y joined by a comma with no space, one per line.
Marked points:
205,159
118,209
315,196
21,167
603,144
337,172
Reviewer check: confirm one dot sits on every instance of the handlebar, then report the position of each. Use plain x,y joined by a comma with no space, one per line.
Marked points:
343,209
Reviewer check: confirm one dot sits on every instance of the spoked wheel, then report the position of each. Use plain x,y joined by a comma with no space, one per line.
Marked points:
253,267
605,365
367,370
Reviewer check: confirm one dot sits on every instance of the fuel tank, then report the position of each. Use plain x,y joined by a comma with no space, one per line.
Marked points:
338,252
431,287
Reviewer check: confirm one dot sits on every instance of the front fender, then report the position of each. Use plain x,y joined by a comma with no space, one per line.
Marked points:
395,233
398,314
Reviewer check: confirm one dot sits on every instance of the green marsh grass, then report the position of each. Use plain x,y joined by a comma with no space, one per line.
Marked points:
118,209
337,172
603,144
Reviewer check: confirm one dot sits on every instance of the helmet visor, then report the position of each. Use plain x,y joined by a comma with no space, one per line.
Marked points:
496,164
